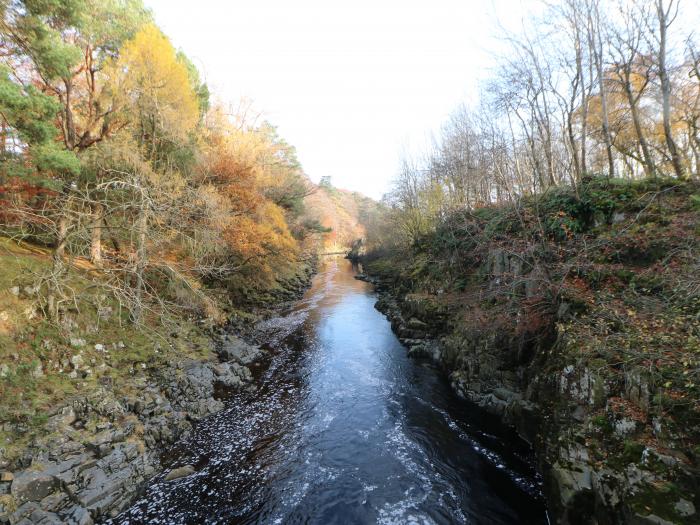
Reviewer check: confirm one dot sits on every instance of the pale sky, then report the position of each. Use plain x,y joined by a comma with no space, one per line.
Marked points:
349,84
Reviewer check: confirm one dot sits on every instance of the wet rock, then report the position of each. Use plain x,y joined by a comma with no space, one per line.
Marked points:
506,395
572,483
606,484
78,515
180,472
235,349
649,519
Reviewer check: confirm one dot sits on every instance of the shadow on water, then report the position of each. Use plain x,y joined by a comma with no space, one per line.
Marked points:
344,428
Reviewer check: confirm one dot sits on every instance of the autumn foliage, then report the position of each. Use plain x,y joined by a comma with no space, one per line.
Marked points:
112,150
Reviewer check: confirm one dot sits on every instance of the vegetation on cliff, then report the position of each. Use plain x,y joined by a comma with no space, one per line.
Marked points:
549,245
344,215
575,317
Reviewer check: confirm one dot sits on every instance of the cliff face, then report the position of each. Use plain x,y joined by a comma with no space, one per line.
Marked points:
575,318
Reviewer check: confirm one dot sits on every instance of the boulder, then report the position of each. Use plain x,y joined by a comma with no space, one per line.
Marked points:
77,342
77,361
236,350
180,472
684,508
63,417
417,324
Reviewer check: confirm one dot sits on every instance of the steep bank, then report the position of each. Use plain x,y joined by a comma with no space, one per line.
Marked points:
88,405
576,318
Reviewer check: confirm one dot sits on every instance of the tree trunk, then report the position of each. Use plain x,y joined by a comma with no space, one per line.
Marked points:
648,163
606,123
96,234
113,238
597,49
141,228
61,238
58,267
666,89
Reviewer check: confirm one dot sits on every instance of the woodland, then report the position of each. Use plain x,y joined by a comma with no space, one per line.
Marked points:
114,152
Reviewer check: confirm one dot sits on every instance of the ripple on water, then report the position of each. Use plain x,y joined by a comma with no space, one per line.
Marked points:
343,428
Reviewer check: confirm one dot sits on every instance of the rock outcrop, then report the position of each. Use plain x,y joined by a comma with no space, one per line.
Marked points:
103,448
555,402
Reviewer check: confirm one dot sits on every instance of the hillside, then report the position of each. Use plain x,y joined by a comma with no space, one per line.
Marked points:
573,316
345,213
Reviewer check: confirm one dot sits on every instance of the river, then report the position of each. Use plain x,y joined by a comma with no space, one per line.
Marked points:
344,428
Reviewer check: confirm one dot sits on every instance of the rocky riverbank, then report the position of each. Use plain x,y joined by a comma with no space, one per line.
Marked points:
585,344
577,489
96,450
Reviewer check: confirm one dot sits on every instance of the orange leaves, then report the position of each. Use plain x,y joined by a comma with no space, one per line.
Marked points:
253,230
235,181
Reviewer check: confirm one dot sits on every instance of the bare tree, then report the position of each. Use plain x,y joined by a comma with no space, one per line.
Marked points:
666,14
632,66
595,44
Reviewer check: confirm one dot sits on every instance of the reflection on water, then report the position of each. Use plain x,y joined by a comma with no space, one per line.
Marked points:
345,429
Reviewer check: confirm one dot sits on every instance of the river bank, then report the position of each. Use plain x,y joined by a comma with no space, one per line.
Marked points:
583,343
343,427
132,400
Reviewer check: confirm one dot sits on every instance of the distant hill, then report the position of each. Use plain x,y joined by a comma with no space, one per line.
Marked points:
344,212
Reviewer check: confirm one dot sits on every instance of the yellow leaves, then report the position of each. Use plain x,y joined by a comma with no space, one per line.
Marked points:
235,167
153,85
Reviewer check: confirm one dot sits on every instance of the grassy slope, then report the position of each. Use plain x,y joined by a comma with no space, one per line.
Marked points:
607,284
37,357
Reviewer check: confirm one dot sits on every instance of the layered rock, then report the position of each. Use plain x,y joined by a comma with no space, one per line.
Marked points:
103,448
553,397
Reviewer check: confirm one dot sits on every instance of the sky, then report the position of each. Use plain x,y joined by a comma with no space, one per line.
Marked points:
350,84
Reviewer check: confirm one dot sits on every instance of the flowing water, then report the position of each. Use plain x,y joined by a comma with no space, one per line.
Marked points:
345,429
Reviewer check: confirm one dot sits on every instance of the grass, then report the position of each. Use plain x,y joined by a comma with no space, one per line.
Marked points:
37,353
